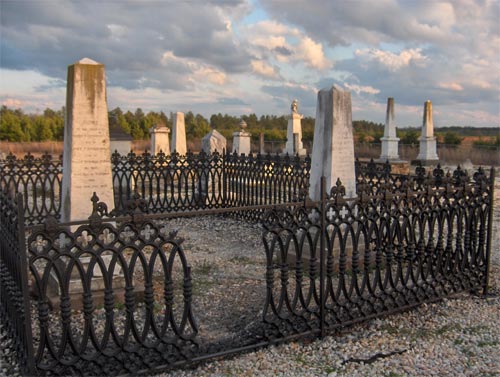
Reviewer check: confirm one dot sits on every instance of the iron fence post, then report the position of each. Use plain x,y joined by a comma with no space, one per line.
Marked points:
489,230
23,266
322,257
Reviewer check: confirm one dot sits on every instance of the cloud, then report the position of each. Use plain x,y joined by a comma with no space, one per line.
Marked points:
312,54
261,68
451,86
391,60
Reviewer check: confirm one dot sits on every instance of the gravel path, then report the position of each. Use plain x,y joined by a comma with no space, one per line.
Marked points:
454,337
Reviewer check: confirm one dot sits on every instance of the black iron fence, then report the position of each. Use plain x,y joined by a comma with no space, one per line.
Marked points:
120,294
174,183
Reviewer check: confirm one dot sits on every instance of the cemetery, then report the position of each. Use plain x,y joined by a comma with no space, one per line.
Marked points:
124,264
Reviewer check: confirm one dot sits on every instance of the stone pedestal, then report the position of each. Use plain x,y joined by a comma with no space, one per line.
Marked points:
86,159
159,139
390,142
178,134
294,128
241,140
213,142
261,144
428,147
333,147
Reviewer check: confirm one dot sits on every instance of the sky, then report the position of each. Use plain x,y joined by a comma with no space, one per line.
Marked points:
256,56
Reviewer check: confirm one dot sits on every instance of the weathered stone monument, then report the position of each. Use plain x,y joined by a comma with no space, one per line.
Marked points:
294,132
333,147
178,134
390,142
159,139
241,140
213,142
86,158
86,166
427,152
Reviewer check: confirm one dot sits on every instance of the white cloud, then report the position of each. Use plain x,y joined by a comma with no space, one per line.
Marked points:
451,86
312,54
358,89
392,61
261,68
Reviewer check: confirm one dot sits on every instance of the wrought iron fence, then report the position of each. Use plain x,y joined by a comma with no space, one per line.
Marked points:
118,294
174,183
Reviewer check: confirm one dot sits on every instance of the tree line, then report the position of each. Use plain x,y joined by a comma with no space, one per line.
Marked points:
15,125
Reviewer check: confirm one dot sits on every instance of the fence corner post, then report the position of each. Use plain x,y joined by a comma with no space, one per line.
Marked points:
489,230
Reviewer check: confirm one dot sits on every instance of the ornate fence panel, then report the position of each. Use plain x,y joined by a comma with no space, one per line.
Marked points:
14,297
337,262
110,298
38,180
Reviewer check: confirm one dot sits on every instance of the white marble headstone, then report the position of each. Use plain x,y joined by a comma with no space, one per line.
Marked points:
86,158
178,134
333,146
390,142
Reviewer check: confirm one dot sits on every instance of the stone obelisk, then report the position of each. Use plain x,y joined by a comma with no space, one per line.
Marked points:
294,132
333,147
428,150
86,159
389,141
178,134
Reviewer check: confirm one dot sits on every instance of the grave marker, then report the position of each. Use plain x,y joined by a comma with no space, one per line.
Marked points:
389,141
86,156
427,152
333,147
179,134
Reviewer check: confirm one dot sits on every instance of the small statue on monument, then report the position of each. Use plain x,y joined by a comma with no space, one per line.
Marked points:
294,107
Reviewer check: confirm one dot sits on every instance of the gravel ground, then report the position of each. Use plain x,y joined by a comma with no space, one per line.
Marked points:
459,336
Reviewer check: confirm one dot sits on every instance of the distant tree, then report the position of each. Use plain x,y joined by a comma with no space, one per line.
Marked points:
409,137
452,138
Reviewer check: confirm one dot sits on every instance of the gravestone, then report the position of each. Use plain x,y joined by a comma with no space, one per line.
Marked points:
333,147
294,128
390,142
427,152
86,166
262,149
178,134
213,142
159,139
86,158
241,140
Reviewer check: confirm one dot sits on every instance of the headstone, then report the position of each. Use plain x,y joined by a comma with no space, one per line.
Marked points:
333,147
428,149
262,145
294,127
86,158
241,140
179,134
213,142
390,142
159,139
